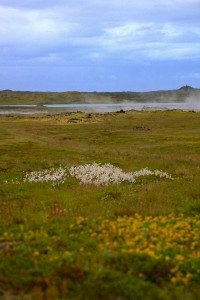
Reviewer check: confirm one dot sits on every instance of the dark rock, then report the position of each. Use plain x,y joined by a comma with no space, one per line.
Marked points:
73,120
121,111
142,128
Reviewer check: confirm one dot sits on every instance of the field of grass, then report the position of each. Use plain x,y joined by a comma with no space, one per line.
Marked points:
119,241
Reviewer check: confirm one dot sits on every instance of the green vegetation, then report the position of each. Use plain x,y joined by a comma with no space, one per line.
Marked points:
8,97
129,241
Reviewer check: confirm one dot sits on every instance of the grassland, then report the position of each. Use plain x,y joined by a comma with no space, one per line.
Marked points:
129,241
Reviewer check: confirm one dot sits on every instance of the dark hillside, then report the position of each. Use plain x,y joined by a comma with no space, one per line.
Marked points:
8,97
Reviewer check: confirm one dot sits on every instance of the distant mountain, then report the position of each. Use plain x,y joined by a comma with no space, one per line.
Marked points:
8,97
186,88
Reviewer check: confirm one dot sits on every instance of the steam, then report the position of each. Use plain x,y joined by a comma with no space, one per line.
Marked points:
193,102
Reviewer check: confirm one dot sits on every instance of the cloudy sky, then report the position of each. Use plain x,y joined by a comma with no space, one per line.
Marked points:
99,45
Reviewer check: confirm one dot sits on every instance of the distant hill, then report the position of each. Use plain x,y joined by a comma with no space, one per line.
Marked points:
8,97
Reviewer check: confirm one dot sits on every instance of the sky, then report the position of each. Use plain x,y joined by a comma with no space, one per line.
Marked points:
99,45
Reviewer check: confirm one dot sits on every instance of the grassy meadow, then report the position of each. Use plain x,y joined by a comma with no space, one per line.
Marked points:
127,241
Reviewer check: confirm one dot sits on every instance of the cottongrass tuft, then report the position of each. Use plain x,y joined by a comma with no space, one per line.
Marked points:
55,176
98,174
147,172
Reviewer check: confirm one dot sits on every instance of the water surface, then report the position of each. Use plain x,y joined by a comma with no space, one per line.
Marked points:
100,107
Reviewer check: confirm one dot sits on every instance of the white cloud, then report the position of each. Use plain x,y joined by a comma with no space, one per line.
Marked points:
33,26
97,30
175,51
151,30
149,40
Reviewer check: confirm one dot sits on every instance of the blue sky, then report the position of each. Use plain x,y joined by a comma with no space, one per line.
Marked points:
99,45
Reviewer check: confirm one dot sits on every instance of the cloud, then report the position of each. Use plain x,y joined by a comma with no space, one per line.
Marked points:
100,33
66,31
33,26
149,40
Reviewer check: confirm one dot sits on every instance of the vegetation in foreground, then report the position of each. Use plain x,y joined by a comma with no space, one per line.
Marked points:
76,241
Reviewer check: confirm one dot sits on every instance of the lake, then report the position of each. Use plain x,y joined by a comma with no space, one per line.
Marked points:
100,107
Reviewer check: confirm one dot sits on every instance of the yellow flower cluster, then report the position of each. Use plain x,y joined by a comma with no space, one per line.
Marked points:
174,239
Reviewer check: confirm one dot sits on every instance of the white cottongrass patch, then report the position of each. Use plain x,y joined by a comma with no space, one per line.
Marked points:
106,174
147,172
53,175
98,174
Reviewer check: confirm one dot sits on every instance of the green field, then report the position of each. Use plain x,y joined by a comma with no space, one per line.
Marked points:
118,241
